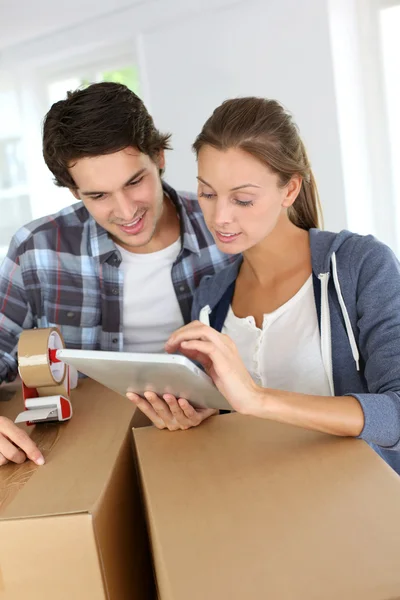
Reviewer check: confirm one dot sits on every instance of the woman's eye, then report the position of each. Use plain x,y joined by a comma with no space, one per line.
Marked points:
204,195
244,202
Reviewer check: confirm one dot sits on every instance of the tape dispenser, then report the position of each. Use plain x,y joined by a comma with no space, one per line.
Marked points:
46,381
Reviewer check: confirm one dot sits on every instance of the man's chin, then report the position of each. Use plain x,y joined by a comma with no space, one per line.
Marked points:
129,241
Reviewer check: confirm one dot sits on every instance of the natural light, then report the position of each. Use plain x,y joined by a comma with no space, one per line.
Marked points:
390,29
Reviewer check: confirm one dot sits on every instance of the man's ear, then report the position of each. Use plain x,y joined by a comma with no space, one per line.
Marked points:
161,160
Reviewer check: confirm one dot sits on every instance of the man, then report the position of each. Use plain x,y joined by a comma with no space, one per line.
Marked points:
116,271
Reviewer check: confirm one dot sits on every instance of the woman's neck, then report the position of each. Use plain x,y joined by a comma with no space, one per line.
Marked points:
284,251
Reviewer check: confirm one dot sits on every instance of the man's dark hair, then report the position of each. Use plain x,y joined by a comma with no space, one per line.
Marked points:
100,119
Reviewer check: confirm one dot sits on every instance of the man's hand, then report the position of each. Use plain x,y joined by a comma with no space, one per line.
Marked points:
16,446
170,413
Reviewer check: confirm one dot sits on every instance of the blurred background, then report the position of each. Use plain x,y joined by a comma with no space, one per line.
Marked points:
335,64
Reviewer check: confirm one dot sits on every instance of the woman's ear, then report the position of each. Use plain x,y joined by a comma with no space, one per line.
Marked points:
292,190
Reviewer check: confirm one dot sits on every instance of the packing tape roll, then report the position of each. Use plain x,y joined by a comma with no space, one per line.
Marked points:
73,378
34,365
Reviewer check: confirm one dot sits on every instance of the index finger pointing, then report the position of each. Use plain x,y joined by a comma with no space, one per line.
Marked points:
23,441
182,331
199,332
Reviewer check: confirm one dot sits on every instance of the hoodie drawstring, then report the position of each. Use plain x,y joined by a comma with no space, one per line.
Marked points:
349,329
204,316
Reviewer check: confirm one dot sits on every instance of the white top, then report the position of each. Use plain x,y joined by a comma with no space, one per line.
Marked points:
151,308
286,353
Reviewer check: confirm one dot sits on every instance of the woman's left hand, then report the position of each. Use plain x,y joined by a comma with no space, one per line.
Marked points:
168,412
220,358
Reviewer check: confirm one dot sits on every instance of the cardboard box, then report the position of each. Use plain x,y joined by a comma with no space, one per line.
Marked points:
246,509
74,528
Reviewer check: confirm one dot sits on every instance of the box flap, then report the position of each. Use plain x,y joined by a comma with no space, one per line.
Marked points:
79,456
247,508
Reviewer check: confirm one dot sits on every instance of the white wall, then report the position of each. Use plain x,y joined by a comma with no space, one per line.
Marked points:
279,50
194,54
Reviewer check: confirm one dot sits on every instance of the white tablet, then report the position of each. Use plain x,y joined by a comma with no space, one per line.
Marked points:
161,373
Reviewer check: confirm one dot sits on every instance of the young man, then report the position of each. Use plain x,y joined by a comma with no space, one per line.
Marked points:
116,271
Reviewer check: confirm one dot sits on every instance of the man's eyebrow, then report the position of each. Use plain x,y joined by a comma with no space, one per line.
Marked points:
134,176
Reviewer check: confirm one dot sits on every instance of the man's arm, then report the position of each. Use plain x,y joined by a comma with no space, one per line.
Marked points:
15,311
15,316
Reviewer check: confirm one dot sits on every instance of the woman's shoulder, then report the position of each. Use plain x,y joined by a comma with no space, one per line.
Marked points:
351,249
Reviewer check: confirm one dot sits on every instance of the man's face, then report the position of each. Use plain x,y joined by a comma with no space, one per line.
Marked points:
123,193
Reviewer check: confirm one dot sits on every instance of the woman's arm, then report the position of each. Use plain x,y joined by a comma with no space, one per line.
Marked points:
341,416
338,415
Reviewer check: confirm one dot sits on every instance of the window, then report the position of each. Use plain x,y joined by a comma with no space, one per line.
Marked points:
127,75
14,192
390,28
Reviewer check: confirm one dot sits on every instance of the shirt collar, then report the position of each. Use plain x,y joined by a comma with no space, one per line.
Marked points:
188,235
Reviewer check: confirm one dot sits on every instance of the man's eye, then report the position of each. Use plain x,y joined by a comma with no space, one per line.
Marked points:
135,182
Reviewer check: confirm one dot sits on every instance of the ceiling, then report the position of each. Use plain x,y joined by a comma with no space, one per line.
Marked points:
25,20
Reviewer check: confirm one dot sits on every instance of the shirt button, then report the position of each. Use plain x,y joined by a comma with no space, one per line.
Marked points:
70,315
182,288
114,291
115,341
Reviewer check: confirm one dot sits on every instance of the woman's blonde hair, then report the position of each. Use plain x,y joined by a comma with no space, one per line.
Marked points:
264,129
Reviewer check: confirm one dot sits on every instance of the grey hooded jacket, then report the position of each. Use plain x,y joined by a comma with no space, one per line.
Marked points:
357,294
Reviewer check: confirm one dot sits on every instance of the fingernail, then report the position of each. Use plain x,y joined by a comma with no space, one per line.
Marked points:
40,461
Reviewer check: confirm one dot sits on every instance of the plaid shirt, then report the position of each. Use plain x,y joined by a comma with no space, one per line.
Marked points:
63,270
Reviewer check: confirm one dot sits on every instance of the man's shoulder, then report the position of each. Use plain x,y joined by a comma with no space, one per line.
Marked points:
45,229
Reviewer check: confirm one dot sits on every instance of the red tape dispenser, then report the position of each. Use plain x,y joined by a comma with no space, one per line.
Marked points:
46,381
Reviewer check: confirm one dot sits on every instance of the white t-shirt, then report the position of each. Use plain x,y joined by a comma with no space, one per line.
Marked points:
286,353
151,308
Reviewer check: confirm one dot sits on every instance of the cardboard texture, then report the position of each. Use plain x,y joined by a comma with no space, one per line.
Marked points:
74,528
242,508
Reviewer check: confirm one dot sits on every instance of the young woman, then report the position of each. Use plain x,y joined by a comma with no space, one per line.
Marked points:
304,328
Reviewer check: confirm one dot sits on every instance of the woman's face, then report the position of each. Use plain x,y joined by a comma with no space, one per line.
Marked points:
241,198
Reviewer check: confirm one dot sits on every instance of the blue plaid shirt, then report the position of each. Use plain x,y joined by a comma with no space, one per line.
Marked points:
63,270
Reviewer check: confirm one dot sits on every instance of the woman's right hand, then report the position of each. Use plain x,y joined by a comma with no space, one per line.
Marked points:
16,445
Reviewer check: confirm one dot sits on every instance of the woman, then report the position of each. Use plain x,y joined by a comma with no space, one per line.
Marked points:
304,328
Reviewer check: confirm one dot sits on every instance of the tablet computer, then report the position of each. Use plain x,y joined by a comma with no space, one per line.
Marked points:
135,372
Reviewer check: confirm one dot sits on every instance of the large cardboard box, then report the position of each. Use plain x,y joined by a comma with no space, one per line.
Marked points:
74,528
241,508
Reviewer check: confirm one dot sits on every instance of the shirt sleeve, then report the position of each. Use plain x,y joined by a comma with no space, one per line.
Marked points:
376,274
15,312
